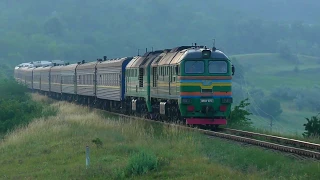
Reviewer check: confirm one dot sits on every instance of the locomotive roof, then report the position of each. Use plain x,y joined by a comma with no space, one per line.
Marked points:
143,61
134,62
197,53
171,57
185,52
151,58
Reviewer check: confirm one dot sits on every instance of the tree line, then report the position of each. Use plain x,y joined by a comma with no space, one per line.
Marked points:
74,30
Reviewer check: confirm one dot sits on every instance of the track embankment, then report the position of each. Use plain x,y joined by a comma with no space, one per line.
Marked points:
297,147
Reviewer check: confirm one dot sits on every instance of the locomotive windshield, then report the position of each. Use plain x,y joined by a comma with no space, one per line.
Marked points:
194,67
218,67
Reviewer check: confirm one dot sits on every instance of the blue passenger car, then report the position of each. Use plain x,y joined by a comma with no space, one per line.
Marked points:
111,79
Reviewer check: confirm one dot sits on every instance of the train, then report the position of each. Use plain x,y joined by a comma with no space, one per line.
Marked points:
187,84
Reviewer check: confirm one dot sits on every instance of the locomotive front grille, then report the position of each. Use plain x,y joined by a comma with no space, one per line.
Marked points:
206,109
206,90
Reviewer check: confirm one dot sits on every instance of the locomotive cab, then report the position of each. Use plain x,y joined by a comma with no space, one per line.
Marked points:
205,87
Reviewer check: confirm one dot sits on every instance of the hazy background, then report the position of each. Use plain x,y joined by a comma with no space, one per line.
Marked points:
274,44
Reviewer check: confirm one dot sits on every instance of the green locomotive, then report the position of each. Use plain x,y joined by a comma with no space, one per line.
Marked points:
186,83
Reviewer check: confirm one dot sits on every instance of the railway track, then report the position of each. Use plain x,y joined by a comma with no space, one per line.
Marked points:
276,139
265,144
249,139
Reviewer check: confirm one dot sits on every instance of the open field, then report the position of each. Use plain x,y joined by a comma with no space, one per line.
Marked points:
268,71
54,148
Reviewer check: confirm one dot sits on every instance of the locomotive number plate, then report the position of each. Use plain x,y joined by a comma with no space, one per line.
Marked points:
226,100
206,100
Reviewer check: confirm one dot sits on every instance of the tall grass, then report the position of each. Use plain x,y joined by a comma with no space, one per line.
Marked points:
54,148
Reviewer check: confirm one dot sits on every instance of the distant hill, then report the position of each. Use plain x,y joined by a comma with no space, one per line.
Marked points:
74,30
278,10
267,72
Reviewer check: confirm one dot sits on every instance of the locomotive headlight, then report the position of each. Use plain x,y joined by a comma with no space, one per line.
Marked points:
185,101
206,54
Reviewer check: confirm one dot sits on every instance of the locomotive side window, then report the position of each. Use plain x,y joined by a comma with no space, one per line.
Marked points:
194,67
218,67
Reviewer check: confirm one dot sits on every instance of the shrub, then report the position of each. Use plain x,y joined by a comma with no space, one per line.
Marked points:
312,127
296,69
238,116
10,89
141,162
17,107
48,111
271,107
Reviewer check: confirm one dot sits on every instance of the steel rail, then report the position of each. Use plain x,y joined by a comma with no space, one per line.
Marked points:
276,138
265,144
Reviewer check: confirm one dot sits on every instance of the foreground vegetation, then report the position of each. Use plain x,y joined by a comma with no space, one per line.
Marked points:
54,148
16,106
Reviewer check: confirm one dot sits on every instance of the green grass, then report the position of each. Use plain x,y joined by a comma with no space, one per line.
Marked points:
54,148
254,160
268,71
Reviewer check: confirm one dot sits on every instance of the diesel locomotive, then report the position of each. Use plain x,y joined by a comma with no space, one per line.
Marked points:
191,84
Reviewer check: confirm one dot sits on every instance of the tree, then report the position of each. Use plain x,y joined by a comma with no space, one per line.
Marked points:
238,116
296,69
312,127
53,26
285,50
75,24
271,107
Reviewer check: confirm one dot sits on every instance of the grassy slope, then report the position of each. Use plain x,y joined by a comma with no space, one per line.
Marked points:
267,71
54,149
